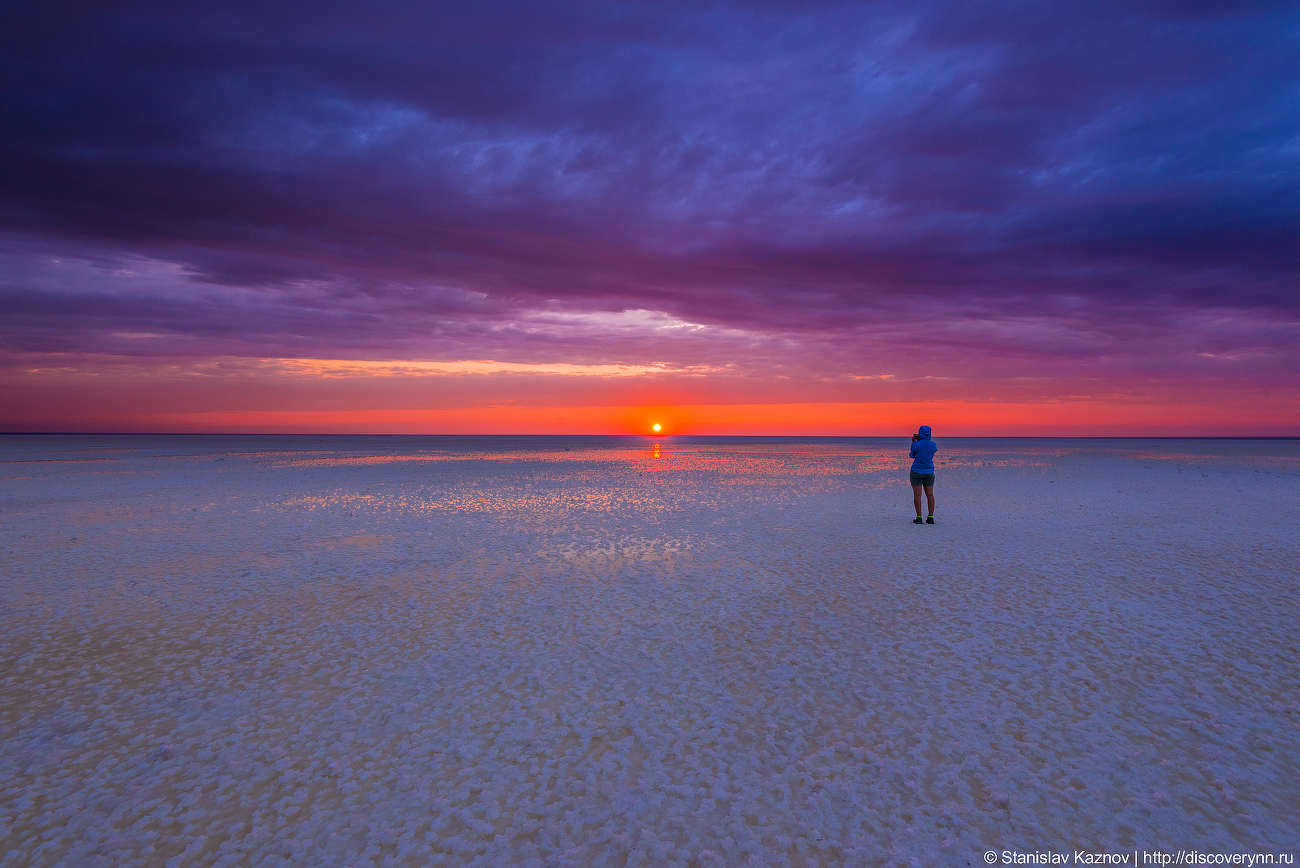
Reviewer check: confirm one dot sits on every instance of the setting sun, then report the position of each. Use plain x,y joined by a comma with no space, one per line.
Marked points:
656,427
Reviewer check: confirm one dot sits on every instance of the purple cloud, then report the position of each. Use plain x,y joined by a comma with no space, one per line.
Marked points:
833,188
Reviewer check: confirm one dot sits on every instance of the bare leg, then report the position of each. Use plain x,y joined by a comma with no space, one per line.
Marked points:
929,498
916,498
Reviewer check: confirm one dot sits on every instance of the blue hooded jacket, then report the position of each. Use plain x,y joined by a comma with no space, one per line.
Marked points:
923,452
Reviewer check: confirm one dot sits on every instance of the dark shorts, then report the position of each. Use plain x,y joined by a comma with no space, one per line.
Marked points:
926,480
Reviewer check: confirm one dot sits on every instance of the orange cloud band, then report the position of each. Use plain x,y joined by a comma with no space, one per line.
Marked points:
866,419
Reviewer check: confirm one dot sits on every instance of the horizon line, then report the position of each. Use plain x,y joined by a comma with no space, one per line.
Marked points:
653,436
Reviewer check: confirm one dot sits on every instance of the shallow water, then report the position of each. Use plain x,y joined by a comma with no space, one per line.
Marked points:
411,651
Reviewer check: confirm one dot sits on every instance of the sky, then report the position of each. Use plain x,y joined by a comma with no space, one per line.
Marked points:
1064,218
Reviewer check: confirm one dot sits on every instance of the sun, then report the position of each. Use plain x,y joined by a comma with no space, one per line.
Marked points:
655,420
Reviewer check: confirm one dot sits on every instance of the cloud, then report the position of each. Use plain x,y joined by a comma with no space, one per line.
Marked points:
840,189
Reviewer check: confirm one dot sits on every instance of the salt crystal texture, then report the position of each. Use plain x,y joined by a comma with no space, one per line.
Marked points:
350,651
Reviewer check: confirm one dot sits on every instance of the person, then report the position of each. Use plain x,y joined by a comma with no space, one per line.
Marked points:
922,472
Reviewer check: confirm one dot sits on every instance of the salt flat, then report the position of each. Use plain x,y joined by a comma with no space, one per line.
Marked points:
348,651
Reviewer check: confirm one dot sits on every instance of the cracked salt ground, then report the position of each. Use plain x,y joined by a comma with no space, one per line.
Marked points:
355,652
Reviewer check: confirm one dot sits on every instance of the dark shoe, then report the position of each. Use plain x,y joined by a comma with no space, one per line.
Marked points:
918,520
930,520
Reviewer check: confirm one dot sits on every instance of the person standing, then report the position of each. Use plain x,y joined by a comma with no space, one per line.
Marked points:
922,472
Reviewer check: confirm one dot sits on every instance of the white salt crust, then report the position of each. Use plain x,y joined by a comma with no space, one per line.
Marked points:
729,655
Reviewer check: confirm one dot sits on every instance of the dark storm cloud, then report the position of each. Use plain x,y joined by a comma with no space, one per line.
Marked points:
418,177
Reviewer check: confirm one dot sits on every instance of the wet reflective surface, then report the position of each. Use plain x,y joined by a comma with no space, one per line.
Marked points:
342,651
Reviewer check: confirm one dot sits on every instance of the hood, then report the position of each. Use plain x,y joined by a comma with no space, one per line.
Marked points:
924,431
